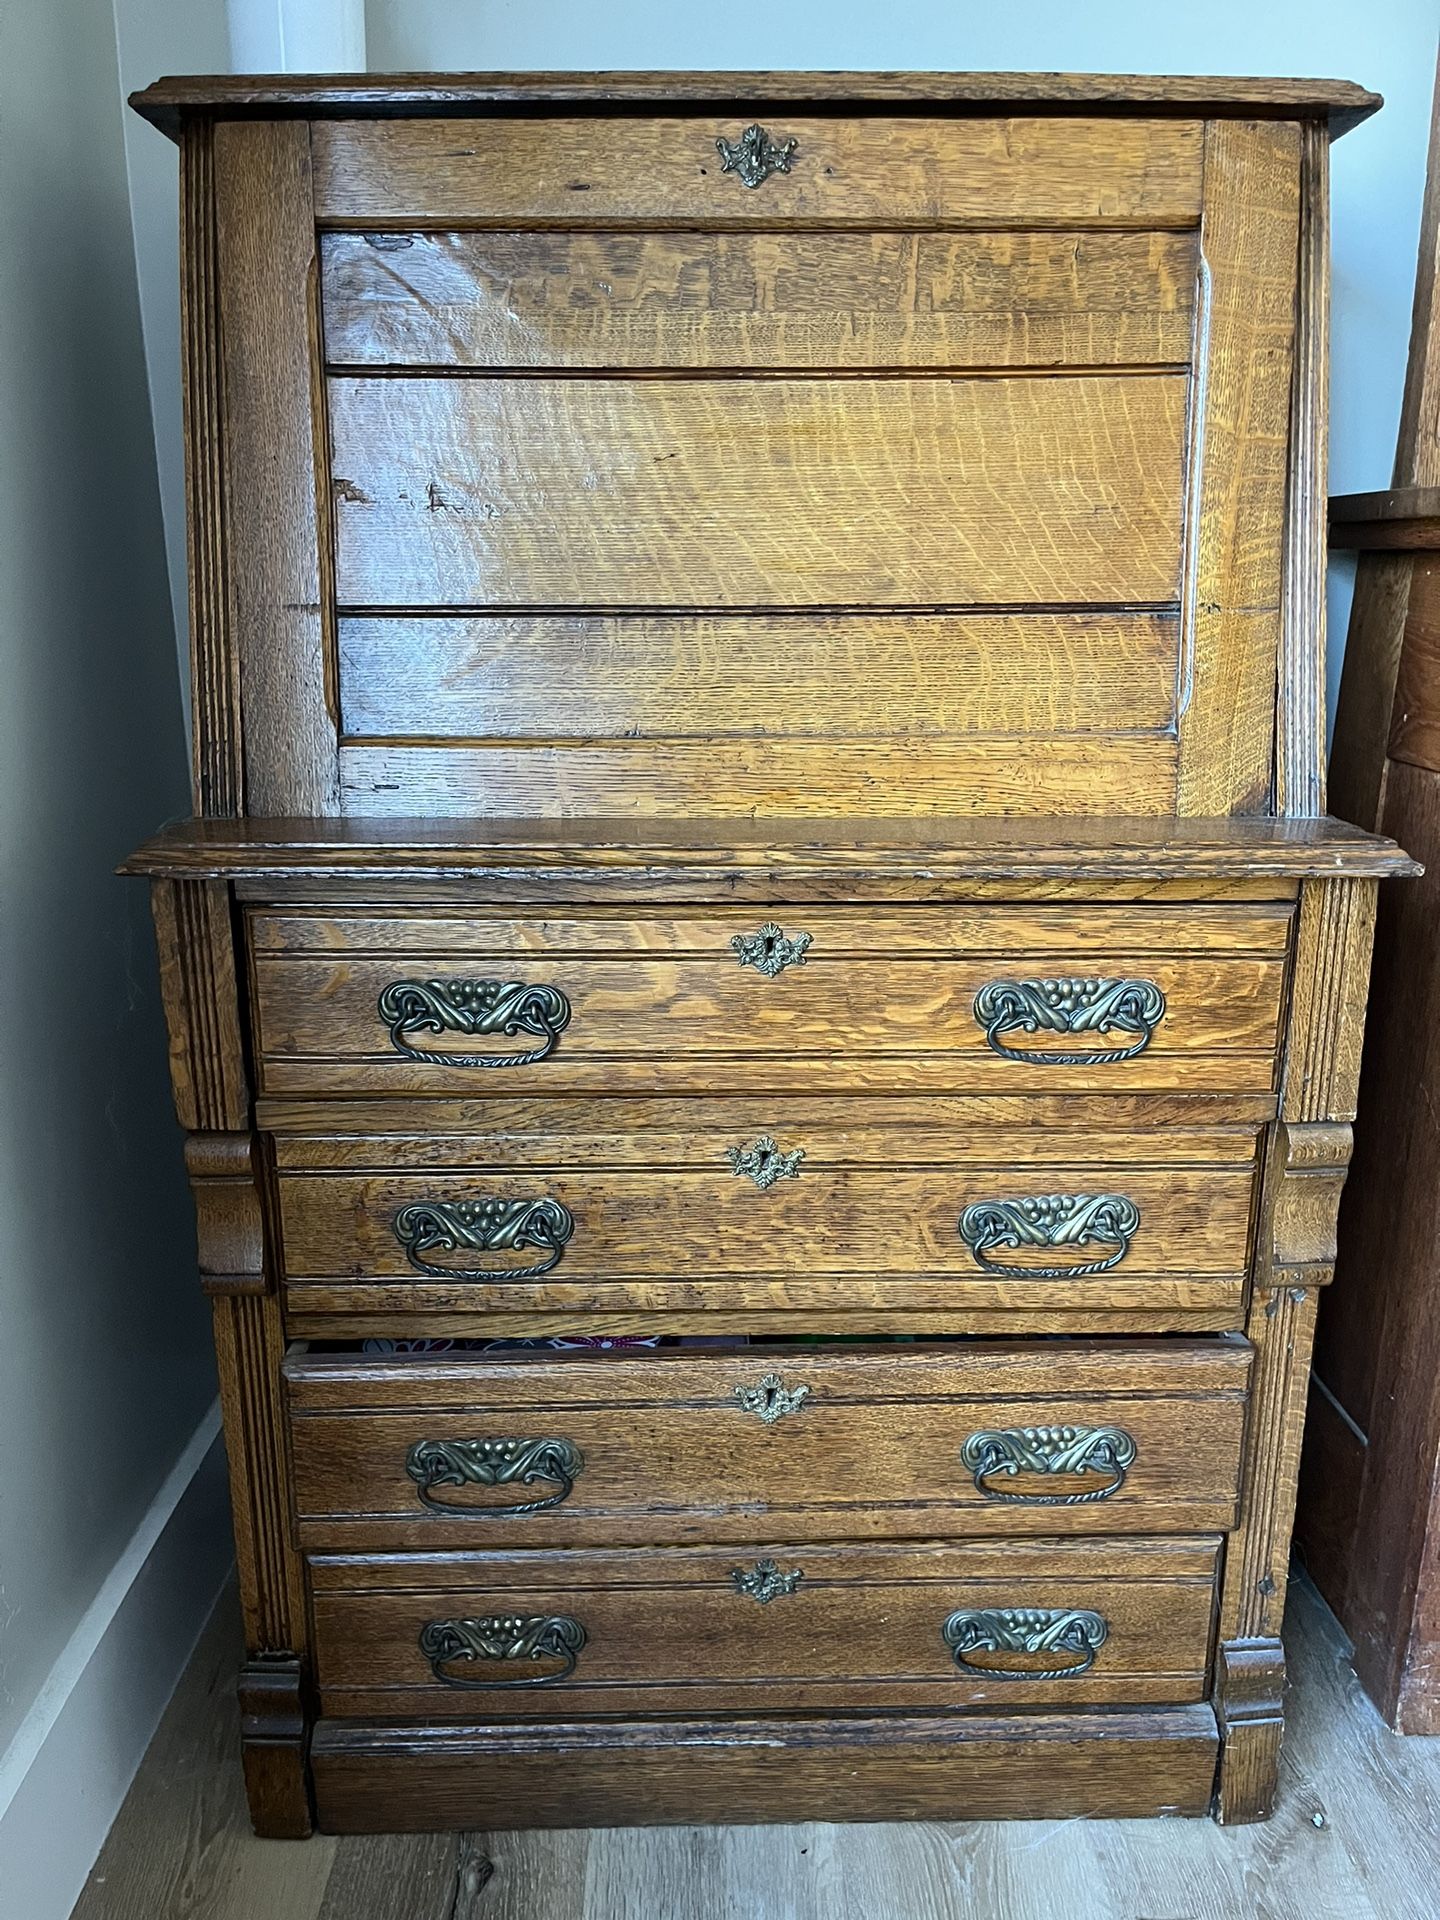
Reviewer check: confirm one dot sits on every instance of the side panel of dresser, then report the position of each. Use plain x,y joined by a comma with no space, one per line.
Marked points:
1308,1157
196,939
261,582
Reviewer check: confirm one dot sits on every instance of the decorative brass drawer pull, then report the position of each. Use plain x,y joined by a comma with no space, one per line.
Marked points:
506,1007
755,156
493,1463
503,1637
1057,1453
1051,1220
765,1582
1069,1006
764,1163
771,1399
1074,1634
435,1226
769,951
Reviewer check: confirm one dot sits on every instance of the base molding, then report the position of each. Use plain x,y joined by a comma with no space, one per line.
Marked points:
1249,1690
1103,1764
273,1741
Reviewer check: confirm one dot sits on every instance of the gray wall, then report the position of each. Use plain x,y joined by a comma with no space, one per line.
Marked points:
105,1369
1379,171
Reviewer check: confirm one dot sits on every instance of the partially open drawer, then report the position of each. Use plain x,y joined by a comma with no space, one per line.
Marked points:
806,1442
664,1207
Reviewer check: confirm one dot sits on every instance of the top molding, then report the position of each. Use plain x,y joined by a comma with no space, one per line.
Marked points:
396,95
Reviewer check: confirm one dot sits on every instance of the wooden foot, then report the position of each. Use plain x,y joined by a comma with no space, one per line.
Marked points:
274,1739
1250,1684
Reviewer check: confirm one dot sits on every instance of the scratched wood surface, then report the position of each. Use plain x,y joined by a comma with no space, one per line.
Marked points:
757,300
671,1453
668,1630
801,675
1355,1836
1059,490
862,171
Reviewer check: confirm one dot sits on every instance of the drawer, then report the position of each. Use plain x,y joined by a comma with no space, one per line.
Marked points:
860,170
810,1443
990,1000
778,1628
793,1211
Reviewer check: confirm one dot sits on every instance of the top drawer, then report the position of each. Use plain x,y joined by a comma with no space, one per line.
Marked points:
858,171
938,1000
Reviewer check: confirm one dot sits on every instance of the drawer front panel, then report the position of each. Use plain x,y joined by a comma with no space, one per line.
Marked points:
649,1024
1045,1224
893,1443
740,300
861,170
574,492
793,1626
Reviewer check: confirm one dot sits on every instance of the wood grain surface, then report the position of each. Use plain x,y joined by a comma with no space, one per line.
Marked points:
1213,855
865,171
320,1031
1235,556
871,1450
812,676
706,1224
668,1629
1060,491
639,781
276,532
757,300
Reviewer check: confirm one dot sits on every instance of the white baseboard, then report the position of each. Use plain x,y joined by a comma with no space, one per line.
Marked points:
65,1773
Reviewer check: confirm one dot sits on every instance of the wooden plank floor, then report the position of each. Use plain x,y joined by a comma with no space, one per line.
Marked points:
1356,1837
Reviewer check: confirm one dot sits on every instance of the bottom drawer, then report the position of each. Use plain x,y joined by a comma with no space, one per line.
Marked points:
764,1629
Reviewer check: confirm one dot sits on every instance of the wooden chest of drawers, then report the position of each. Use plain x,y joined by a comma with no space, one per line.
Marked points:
765,1006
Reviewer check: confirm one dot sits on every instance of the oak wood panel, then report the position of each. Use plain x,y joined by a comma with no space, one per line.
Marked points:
277,531
1300,732
867,171
1249,238
679,1134
320,1031
1101,853
349,95
667,1629
336,1314
217,730
640,780
695,300
934,932
195,938
1058,490
770,1303
873,1450
701,1220
848,1768
1216,1127
640,677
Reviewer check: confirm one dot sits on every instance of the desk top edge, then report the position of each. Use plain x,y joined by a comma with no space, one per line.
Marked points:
170,99
1163,848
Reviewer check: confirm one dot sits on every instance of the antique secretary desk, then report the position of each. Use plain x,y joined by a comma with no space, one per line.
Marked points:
758,782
